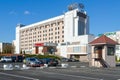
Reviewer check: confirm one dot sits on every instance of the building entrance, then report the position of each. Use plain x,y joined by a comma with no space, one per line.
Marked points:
47,48
98,52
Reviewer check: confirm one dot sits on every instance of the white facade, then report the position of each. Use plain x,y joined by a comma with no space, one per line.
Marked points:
80,43
17,41
72,27
1,47
71,23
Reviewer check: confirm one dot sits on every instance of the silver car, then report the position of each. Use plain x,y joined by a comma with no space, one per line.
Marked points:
33,62
6,59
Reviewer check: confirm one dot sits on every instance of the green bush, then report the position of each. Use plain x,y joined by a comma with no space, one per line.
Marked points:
30,55
42,56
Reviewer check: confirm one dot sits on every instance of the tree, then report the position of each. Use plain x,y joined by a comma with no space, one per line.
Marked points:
8,48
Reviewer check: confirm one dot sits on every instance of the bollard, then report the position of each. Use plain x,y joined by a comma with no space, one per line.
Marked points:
63,65
45,65
8,67
25,67
17,66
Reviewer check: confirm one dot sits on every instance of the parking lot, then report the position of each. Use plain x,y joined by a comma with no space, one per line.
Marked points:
74,71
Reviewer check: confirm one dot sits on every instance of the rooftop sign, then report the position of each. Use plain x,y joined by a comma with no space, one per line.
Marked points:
108,34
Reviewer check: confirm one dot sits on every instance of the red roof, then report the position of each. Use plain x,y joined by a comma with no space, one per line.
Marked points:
103,40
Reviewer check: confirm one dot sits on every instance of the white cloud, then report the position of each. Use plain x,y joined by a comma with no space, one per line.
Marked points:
26,12
12,13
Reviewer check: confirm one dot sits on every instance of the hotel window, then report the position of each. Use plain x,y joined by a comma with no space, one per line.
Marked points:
62,22
55,32
51,25
58,23
39,27
51,29
46,26
35,29
55,37
62,27
55,28
51,37
55,41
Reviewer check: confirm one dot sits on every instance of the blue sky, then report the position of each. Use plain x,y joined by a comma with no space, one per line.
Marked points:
104,14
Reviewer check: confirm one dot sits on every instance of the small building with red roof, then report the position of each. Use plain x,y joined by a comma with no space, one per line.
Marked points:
103,52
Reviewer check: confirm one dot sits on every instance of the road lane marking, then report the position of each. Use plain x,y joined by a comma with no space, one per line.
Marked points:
100,73
25,77
84,77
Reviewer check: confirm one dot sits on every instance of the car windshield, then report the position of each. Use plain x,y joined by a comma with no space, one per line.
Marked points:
7,57
33,59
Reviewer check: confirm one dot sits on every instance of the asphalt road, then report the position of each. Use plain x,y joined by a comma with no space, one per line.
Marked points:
84,73
70,73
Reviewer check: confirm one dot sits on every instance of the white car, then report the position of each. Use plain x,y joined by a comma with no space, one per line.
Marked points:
6,59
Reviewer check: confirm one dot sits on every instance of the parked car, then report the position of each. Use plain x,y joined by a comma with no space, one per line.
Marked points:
69,60
72,60
6,59
17,58
50,61
33,62
64,59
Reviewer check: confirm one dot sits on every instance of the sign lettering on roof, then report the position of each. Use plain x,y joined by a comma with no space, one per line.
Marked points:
108,34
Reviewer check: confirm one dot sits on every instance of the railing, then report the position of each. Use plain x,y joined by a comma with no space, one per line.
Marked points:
102,62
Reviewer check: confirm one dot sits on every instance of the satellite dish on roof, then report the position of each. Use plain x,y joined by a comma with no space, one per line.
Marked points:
75,6
81,6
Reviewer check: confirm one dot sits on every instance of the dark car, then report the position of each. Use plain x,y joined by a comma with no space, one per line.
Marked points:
50,61
33,62
69,60
18,58
64,59
72,60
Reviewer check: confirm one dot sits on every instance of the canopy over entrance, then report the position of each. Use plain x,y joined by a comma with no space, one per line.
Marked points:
47,47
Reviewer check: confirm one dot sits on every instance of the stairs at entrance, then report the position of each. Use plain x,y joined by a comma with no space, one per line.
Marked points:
102,62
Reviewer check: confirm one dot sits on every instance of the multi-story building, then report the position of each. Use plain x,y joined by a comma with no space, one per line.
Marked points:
4,47
65,35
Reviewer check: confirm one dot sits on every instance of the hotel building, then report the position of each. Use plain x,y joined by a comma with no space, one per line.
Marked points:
66,35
